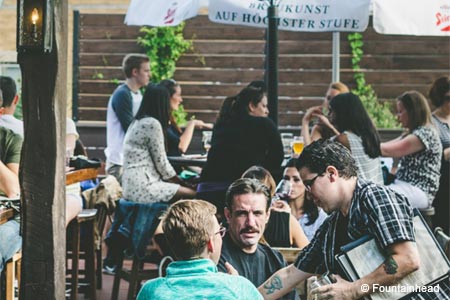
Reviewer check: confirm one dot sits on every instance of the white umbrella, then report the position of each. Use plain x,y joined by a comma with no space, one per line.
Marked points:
294,15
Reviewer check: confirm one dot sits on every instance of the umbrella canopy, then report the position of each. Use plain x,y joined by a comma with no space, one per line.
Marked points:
408,17
294,15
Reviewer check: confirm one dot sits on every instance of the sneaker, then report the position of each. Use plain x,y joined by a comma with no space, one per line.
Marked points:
109,270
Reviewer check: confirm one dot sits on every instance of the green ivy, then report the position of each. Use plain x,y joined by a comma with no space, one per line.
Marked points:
380,113
164,46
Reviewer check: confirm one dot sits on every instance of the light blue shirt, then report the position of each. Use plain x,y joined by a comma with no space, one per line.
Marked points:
311,229
197,280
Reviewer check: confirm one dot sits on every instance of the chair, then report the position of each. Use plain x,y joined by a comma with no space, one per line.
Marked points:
443,240
134,277
100,221
427,214
12,272
86,217
137,273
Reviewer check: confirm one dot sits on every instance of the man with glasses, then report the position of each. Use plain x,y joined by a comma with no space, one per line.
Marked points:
195,238
357,208
247,203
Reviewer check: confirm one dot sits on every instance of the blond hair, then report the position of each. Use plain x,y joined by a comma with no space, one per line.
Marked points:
339,86
188,225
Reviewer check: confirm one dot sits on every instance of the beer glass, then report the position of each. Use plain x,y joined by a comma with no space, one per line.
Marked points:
297,145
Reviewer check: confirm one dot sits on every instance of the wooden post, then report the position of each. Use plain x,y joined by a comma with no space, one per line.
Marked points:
42,174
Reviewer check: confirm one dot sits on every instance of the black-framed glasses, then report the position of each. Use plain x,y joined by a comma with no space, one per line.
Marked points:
221,231
309,183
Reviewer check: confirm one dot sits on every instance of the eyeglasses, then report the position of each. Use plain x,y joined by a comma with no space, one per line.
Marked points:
309,183
221,231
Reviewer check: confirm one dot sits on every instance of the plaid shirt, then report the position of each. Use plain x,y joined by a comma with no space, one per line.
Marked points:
376,211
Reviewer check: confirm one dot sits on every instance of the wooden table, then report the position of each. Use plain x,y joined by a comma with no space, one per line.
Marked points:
81,175
188,160
6,214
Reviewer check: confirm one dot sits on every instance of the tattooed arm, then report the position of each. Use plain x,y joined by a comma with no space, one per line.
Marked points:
282,282
402,260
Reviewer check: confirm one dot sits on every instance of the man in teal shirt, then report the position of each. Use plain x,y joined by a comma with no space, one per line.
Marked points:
195,237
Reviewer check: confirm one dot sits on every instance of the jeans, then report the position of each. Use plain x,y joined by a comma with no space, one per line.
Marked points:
10,241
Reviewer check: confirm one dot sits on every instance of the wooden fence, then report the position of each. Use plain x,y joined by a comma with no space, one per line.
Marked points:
226,58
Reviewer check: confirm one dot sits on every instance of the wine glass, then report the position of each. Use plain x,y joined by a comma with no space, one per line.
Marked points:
206,139
283,190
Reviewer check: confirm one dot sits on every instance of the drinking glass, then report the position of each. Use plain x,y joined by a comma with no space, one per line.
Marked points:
297,145
283,190
206,139
286,139
322,280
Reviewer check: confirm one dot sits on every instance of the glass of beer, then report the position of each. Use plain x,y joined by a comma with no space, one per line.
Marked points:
297,145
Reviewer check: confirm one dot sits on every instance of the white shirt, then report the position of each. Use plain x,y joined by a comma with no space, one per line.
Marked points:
115,134
12,123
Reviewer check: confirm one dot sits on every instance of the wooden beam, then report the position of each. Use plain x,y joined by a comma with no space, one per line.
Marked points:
42,171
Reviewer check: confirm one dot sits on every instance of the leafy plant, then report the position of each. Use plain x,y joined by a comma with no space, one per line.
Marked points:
97,75
180,116
380,113
164,46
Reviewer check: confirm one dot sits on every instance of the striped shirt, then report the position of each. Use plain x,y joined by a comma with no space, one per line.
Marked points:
444,131
376,211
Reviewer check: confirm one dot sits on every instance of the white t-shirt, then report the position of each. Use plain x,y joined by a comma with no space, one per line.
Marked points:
114,132
12,123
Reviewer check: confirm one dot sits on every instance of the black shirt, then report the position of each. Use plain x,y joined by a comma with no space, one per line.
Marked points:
277,232
240,143
256,267
173,141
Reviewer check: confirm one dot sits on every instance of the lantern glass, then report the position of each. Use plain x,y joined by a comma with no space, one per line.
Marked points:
35,25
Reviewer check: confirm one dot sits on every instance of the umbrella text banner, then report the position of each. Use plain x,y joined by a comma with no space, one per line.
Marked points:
295,15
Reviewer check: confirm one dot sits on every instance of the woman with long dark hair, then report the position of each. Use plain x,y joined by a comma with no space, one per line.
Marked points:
178,140
358,134
303,208
148,175
243,136
419,150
